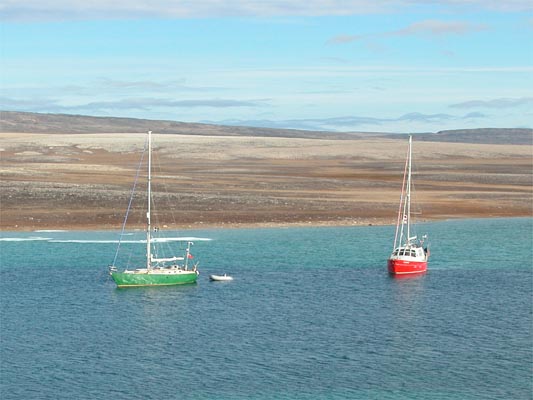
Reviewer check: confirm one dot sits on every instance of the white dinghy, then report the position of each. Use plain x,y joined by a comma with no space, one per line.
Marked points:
221,278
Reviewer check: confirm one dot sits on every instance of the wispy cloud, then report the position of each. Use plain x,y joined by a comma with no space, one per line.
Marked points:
151,103
36,10
145,104
438,28
495,103
155,86
352,123
426,28
34,104
113,87
59,10
496,5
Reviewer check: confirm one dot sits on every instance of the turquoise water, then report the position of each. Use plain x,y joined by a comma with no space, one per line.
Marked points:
311,314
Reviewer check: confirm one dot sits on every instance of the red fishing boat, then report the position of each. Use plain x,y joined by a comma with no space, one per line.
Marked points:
410,254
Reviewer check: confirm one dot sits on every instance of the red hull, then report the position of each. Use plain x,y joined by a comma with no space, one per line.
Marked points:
404,267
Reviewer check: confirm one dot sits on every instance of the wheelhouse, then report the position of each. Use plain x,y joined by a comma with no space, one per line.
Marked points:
415,252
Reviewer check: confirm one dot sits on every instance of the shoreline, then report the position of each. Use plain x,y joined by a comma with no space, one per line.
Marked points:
231,226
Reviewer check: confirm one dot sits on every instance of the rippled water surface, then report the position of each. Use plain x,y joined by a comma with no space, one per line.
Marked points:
311,314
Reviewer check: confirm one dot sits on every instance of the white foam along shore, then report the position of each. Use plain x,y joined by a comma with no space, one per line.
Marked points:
55,240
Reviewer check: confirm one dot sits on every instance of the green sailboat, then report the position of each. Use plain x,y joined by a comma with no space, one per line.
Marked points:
158,270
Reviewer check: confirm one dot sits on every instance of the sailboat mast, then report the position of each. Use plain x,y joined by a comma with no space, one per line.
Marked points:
401,208
409,189
148,222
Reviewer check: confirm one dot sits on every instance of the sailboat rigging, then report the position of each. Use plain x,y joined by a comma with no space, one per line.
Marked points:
409,256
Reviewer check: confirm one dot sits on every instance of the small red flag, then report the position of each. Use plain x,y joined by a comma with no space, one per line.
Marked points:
189,256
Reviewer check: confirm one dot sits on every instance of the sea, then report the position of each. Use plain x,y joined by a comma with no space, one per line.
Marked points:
311,314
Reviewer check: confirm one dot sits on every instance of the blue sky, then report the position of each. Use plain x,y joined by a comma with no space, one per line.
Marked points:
339,65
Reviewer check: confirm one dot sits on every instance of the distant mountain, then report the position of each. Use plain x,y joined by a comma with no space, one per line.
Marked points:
482,135
24,122
13,121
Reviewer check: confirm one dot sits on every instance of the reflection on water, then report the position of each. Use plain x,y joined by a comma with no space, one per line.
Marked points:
408,295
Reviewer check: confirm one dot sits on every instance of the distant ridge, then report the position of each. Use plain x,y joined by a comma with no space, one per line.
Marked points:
482,135
26,122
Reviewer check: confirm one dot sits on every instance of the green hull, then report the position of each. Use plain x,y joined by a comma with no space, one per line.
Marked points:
132,280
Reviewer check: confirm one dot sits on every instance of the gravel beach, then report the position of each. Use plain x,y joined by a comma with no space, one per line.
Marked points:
83,181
